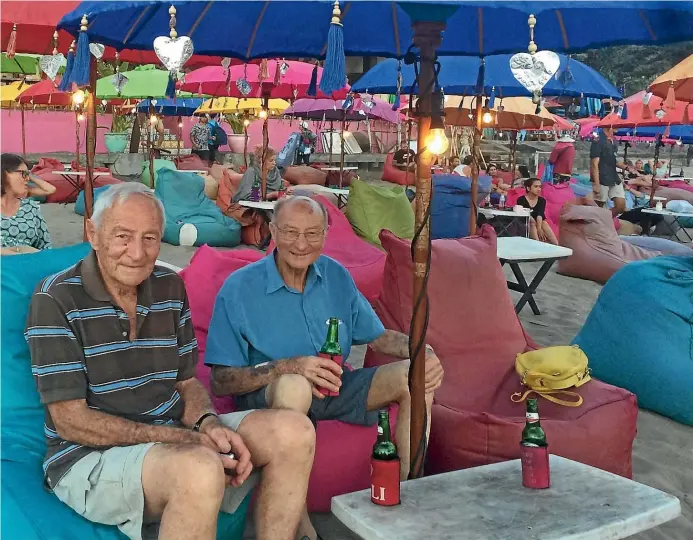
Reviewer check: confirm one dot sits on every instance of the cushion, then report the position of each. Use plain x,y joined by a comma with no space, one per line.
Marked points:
36,513
158,165
643,341
474,422
299,175
450,204
598,251
186,203
373,208
673,193
395,175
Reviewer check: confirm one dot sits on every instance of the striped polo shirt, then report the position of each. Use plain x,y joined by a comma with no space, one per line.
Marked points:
80,349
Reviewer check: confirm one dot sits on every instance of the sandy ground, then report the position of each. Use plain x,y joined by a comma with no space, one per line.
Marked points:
663,452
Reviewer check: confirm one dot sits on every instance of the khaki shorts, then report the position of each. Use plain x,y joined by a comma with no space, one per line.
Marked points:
106,487
608,193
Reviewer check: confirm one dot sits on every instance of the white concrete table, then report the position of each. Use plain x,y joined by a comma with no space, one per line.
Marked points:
194,171
506,218
332,168
671,219
76,179
489,503
514,250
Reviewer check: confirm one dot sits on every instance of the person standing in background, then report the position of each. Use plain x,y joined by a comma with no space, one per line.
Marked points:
199,137
213,144
606,182
306,145
562,157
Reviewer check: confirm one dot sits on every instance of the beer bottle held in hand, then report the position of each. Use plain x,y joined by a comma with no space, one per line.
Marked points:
534,450
384,465
332,350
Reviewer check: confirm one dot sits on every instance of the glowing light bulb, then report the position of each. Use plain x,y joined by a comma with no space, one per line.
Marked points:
487,118
80,117
152,119
180,124
133,110
436,141
78,97
263,114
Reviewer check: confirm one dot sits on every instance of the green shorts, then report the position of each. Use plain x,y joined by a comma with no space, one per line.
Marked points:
106,487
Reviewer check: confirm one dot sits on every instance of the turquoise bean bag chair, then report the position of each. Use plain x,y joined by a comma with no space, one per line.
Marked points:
158,165
183,195
639,334
79,205
29,511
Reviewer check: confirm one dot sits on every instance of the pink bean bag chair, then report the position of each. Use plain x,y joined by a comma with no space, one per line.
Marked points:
678,184
598,251
190,162
673,193
474,421
300,175
342,456
395,175
556,196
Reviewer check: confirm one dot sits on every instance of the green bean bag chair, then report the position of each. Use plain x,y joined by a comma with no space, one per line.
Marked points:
158,165
80,205
374,208
190,212
29,511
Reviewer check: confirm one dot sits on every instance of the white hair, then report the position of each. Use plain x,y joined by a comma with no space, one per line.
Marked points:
118,194
316,207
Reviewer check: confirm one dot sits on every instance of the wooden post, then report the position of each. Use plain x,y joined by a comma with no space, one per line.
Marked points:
180,134
341,156
77,137
513,156
476,143
150,144
91,145
658,145
21,107
245,144
427,37
265,145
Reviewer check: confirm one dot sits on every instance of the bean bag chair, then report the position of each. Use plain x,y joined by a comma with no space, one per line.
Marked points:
79,205
338,467
672,193
450,204
661,245
300,175
211,186
158,165
185,203
47,169
639,334
598,251
35,513
254,228
373,208
191,162
395,175
474,422
677,184
348,177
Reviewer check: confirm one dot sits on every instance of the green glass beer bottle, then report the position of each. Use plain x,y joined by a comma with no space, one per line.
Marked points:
533,434
385,463
331,349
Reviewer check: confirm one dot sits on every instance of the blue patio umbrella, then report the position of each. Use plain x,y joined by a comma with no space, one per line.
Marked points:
458,76
683,132
168,107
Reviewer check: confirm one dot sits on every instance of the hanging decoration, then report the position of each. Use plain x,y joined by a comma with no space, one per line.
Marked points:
242,84
397,101
313,85
277,74
283,67
97,50
535,69
51,64
225,64
80,70
173,51
565,77
334,71
64,85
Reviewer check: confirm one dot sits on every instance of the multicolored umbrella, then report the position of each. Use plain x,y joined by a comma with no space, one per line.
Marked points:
10,92
677,83
512,114
653,113
45,92
331,110
230,105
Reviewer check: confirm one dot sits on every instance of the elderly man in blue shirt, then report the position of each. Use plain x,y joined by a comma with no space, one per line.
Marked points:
269,323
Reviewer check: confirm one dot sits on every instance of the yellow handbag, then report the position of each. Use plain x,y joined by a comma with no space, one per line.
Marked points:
550,371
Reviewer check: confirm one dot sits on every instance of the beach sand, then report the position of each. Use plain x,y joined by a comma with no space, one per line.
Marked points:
663,452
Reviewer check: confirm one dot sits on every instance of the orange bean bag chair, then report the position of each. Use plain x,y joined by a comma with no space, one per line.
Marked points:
395,175
254,229
301,175
598,251
474,422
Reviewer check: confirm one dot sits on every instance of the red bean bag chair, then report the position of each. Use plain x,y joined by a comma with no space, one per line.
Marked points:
678,184
191,162
474,421
99,181
598,251
338,467
65,192
395,175
300,175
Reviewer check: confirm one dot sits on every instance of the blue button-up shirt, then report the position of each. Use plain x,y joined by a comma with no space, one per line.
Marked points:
258,318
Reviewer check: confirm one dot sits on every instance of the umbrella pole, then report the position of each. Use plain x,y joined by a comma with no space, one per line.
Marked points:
77,137
245,145
331,139
513,155
91,145
368,129
427,37
150,144
671,159
658,145
180,134
341,153
23,132
475,166
265,145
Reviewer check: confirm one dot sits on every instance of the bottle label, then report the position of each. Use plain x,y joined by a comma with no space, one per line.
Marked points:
535,466
380,430
532,417
338,360
385,482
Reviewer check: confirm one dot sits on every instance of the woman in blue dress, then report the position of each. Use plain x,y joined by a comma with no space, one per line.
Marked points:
23,228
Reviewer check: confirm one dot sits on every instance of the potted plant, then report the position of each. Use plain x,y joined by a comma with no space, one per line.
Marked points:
117,139
237,138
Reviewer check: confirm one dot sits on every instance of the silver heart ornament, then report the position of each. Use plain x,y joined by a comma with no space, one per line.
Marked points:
533,71
243,86
51,64
173,53
119,81
97,50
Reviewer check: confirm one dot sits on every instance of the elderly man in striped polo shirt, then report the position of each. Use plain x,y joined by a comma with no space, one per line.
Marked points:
132,437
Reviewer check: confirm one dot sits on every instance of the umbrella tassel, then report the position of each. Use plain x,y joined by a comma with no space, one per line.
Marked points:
170,87
646,112
12,43
277,74
397,101
80,70
65,84
624,112
313,86
686,115
583,106
670,101
334,73
492,99
479,89
264,75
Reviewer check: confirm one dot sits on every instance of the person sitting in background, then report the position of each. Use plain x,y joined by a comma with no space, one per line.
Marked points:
465,169
23,228
252,178
404,158
498,186
200,134
562,157
454,163
539,229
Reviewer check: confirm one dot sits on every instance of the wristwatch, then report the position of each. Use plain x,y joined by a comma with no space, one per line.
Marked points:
201,419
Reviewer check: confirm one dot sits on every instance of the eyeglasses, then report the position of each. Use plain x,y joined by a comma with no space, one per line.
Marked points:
25,173
312,237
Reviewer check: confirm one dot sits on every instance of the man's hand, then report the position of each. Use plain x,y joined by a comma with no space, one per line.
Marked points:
224,440
595,188
434,371
322,372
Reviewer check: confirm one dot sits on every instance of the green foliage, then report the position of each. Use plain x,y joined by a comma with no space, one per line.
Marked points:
235,120
121,123
635,66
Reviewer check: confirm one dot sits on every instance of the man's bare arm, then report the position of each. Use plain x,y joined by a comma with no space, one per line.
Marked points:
196,401
75,421
594,170
228,381
395,344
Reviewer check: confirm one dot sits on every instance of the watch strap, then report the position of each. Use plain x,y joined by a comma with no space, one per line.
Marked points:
201,419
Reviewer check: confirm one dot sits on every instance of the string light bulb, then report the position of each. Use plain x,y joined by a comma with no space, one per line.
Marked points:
133,110
104,102
80,117
180,124
436,141
78,97
152,119
263,114
487,117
